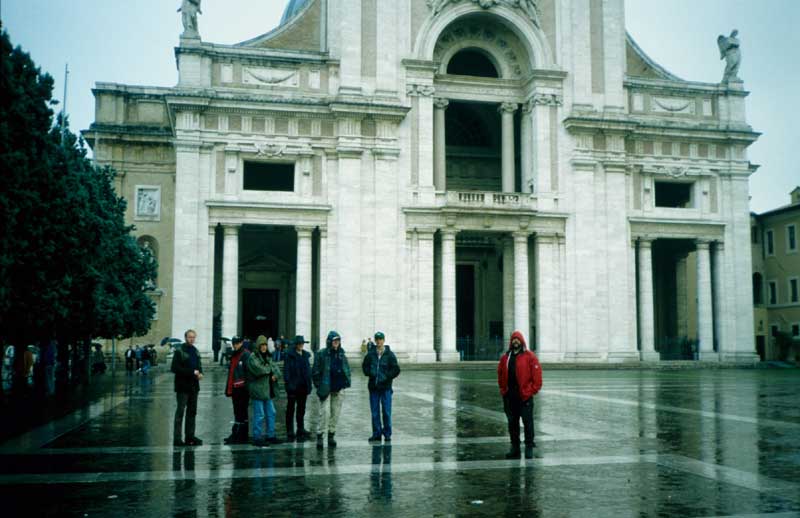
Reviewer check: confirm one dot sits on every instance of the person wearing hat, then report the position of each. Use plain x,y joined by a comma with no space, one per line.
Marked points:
519,376
188,370
380,365
236,389
262,373
331,375
297,378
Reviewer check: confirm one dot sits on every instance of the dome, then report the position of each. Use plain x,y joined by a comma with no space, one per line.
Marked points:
294,7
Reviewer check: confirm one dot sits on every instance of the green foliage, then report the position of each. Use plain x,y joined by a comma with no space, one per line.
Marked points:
69,266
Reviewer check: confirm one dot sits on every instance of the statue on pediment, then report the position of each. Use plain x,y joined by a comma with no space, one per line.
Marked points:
189,10
729,51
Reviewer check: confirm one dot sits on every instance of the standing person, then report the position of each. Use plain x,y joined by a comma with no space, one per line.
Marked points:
297,378
216,336
380,364
188,369
331,375
129,357
262,373
519,376
236,389
50,366
138,358
277,354
145,360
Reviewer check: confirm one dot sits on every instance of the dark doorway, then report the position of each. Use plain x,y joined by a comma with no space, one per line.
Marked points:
465,305
260,313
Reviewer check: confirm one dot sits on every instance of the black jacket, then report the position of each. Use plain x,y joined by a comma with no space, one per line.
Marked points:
297,372
185,380
381,371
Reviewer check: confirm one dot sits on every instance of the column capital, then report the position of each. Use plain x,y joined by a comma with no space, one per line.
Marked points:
719,246
546,237
507,108
520,235
645,241
440,103
702,244
231,229
304,231
448,233
425,234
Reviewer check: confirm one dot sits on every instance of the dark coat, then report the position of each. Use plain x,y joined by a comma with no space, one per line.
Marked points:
185,380
381,371
297,372
321,374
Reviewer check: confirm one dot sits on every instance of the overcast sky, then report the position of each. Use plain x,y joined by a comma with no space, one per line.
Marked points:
133,42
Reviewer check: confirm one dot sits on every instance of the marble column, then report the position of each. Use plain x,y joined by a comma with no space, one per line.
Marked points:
646,310
302,305
548,311
212,234
448,294
508,287
526,148
439,144
425,301
721,314
705,314
323,287
230,281
507,147
521,291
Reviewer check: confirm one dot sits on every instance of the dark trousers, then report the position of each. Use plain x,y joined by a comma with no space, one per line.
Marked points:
187,402
296,401
128,364
380,406
516,409
241,403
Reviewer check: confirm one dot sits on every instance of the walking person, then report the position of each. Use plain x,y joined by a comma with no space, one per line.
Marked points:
380,364
519,376
236,389
188,369
130,355
262,374
331,375
297,377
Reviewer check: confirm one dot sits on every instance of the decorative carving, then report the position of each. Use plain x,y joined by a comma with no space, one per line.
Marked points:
441,103
148,201
673,105
503,46
546,100
508,107
270,76
729,51
413,90
189,10
270,151
528,7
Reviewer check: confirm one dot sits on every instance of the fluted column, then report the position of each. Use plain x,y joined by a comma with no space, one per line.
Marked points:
507,116
230,281
705,314
646,314
439,144
508,287
526,148
521,292
302,305
448,293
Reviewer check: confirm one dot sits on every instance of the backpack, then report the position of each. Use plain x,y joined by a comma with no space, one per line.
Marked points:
240,372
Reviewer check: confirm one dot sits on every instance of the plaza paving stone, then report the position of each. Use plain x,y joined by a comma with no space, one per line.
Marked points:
609,443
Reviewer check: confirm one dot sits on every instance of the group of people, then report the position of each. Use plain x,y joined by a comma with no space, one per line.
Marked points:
254,379
141,357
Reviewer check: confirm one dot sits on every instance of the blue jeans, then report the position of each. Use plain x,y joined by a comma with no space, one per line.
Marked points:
380,404
263,409
146,367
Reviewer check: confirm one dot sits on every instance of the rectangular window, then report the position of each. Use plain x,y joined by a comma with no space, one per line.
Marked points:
791,238
795,329
268,176
754,235
770,242
774,329
793,295
674,194
773,292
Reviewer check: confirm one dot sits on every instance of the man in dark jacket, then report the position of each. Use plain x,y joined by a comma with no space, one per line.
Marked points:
331,375
297,377
519,376
188,371
380,364
236,389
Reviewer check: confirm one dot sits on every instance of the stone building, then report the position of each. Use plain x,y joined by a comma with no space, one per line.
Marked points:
776,280
444,171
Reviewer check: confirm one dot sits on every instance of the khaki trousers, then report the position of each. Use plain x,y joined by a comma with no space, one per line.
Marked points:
328,412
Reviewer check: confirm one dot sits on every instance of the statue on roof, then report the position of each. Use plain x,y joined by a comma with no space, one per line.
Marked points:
729,51
189,10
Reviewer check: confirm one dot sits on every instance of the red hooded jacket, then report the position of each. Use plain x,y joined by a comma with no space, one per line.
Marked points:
528,371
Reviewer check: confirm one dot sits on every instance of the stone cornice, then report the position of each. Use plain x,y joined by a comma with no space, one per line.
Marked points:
682,87
254,53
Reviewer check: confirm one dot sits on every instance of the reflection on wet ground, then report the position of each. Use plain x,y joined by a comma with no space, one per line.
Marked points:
643,443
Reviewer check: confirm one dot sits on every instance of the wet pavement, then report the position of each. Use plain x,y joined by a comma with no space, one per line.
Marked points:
609,443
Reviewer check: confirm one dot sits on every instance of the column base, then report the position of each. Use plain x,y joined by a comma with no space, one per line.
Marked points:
450,357
583,357
708,356
426,357
623,356
650,356
739,357
550,357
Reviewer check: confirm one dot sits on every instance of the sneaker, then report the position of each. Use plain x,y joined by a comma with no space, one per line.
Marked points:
178,442
194,441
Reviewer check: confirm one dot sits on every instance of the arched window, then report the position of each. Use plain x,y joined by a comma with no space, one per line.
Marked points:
758,289
472,62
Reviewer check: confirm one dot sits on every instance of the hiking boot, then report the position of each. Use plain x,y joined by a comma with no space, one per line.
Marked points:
514,453
178,442
231,439
331,441
528,452
260,443
290,437
273,440
319,441
194,441
373,439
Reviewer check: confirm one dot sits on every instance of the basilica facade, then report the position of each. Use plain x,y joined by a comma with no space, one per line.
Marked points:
444,171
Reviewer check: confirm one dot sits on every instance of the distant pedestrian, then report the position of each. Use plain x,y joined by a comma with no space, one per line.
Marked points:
331,375
188,369
519,376
236,389
138,358
130,356
262,375
297,377
380,364
364,346
98,361
49,355
145,360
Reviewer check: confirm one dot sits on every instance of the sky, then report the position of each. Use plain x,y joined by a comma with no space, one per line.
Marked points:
133,42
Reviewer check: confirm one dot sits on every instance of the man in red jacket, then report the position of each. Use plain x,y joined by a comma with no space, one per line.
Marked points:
519,376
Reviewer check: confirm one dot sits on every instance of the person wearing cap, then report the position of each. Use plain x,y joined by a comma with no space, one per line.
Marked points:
297,378
188,370
519,376
380,365
331,375
236,389
262,373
